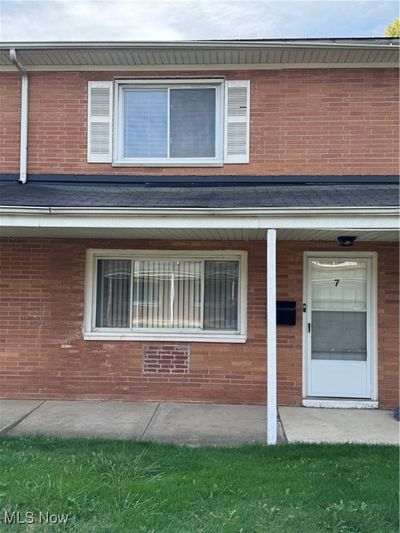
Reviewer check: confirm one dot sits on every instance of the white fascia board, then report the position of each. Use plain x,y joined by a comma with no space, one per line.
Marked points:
195,211
323,43
198,67
223,211
355,221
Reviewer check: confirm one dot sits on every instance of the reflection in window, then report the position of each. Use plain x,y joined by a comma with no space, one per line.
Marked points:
156,294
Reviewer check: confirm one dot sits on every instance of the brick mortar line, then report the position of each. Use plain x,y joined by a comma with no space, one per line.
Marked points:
17,422
150,421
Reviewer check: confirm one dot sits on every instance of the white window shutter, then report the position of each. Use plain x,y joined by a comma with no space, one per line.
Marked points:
100,121
237,121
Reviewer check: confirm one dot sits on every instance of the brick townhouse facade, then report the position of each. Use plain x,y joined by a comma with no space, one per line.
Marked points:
209,222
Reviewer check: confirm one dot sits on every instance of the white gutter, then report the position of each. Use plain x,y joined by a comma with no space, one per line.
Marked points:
308,212
328,43
23,155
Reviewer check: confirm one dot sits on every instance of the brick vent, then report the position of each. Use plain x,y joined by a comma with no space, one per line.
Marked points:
166,359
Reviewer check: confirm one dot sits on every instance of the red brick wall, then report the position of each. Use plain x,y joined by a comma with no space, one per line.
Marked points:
166,359
337,121
290,286
43,355
10,88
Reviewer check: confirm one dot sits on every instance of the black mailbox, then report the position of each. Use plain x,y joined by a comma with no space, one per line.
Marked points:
286,313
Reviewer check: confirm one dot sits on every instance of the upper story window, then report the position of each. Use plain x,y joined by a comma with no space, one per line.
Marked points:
177,122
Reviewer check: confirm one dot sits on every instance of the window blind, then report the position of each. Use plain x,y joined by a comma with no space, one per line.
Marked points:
221,295
113,293
169,123
167,294
145,123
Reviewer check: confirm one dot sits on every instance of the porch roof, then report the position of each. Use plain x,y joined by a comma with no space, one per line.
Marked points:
197,192
200,207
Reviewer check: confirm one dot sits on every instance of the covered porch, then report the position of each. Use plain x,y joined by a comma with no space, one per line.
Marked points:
279,243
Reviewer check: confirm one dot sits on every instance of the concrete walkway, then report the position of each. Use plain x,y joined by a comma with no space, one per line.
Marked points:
367,426
192,423
182,423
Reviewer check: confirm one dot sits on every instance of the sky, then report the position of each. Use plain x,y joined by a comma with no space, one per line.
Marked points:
140,20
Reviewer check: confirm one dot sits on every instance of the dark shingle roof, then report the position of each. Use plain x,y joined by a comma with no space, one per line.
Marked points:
156,195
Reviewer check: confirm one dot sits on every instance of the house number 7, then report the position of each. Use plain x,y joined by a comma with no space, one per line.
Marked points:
336,282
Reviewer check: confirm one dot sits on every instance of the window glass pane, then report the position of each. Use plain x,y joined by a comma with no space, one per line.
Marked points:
167,294
187,278
192,122
339,309
145,123
339,284
221,280
339,335
113,293
152,294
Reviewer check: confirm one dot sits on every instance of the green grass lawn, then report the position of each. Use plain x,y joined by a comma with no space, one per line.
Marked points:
122,486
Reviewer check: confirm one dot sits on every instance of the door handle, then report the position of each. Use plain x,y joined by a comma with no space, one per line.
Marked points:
309,327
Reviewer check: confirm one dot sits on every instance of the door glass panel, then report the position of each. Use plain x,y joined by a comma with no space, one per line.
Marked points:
339,309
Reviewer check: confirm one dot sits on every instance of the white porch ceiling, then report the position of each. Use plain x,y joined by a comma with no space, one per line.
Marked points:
323,235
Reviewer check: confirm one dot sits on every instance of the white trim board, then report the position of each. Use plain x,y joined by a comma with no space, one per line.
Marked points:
197,211
173,338
118,219
194,67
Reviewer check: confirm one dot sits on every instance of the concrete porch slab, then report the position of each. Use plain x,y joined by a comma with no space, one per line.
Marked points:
205,424
12,411
367,426
110,419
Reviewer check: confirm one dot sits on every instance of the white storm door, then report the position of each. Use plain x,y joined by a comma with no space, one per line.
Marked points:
338,327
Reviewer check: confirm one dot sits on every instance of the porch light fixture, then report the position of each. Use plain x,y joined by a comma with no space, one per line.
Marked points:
346,240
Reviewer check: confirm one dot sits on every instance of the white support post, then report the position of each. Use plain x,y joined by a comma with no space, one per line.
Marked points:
271,338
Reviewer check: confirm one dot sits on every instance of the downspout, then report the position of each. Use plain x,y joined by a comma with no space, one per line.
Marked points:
24,116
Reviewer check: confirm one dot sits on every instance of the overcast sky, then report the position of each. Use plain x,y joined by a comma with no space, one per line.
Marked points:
89,20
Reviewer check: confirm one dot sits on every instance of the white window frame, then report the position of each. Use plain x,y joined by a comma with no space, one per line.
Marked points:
121,85
91,332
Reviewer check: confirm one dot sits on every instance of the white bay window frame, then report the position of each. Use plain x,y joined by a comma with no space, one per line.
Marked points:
125,84
91,332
